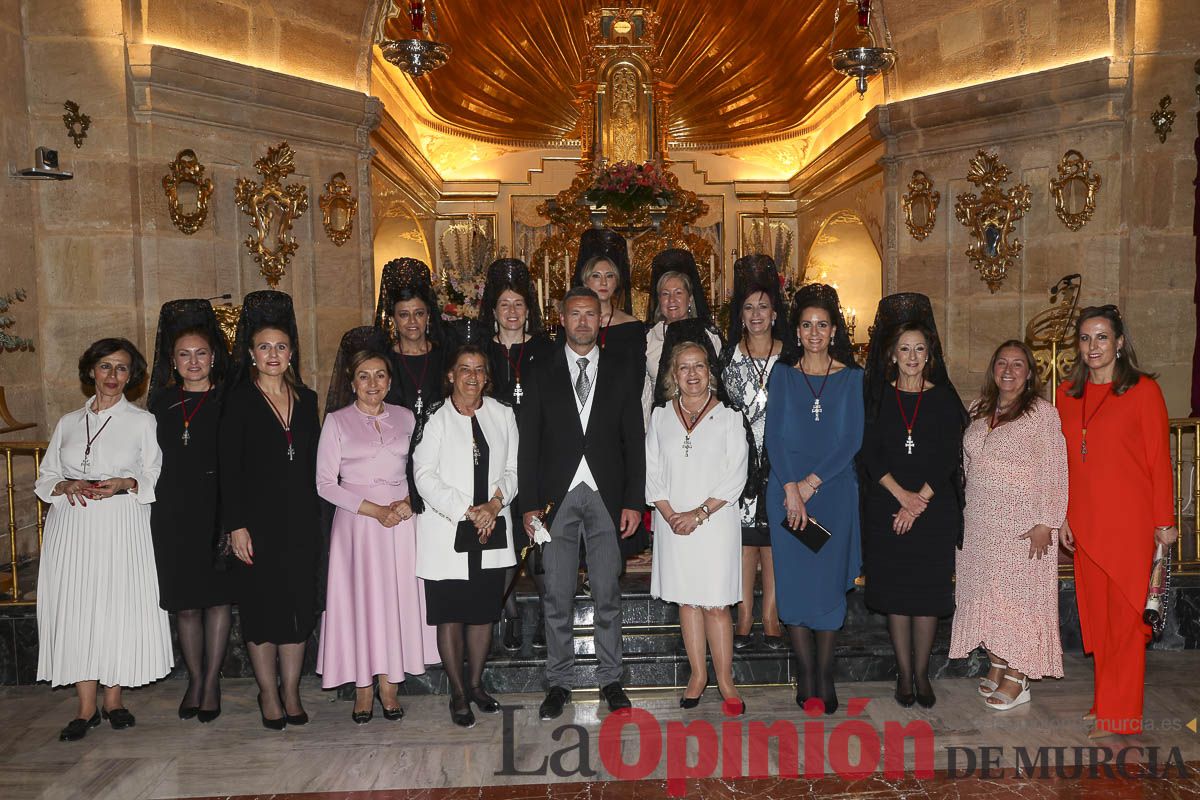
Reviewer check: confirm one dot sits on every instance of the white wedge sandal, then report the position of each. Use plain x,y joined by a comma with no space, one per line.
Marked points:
1024,696
986,684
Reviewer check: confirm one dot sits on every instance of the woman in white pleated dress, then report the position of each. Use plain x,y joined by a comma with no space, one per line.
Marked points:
99,621
697,455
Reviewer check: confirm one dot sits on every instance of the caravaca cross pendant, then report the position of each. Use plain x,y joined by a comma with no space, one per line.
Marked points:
420,404
687,445
816,409
518,393
909,444
187,437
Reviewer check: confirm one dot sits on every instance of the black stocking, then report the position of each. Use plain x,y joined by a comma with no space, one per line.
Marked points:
262,658
190,624
924,630
479,641
806,662
217,620
510,605
900,628
450,649
825,688
291,662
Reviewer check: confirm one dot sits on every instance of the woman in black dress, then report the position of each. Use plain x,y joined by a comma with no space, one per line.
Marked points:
464,463
268,463
510,314
185,398
911,456
408,317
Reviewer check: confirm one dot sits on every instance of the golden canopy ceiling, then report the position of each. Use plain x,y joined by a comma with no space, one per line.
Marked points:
743,69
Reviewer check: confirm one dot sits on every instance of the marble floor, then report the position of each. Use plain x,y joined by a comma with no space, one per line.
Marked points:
424,756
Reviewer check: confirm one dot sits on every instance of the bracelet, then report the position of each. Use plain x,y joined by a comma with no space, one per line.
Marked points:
809,483
698,520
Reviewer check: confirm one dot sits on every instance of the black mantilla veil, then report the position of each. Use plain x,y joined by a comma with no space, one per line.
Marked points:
505,274
752,274
693,331
407,277
175,317
820,295
264,309
355,340
677,259
894,311
610,244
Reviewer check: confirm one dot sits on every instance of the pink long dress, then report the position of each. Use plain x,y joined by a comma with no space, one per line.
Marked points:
374,621
1006,601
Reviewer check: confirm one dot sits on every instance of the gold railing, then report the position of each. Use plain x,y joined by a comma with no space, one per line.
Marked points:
1185,462
20,515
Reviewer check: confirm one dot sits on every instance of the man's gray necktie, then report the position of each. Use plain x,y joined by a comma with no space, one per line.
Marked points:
582,384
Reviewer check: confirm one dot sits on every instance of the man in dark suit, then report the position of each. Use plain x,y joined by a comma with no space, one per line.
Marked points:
583,450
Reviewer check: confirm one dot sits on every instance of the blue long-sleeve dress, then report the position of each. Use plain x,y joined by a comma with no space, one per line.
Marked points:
811,587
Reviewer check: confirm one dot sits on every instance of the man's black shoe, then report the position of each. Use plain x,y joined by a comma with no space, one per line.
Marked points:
556,698
615,696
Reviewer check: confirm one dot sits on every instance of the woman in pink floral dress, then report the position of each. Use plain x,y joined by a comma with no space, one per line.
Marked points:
1006,588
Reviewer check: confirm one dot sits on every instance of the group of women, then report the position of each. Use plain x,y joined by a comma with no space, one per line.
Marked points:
767,450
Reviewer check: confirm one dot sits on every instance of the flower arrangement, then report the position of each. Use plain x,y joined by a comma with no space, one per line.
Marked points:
463,296
7,340
627,186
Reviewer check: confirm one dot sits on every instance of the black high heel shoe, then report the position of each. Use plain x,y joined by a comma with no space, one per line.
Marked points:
926,700
271,724
904,700
464,718
691,702
363,717
482,700
390,714
208,715
186,711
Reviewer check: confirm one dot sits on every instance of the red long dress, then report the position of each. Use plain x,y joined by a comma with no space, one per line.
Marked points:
1119,492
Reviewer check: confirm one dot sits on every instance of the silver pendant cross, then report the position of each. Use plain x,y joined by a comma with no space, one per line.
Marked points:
909,444
816,409
291,453
518,393
419,404
86,461
187,437
687,445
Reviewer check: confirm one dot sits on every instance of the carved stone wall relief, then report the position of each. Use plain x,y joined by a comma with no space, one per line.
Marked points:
1074,190
338,208
187,191
77,123
920,205
991,218
272,208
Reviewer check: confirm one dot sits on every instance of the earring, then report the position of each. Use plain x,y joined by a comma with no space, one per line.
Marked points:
253,363
525,325
496,325
1118,354
426,328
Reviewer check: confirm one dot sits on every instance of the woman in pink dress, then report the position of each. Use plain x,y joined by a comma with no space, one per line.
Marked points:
1006,588
374,622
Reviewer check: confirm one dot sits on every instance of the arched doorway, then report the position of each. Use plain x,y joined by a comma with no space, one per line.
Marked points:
844,256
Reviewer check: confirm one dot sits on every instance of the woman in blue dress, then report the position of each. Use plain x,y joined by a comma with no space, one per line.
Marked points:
814,430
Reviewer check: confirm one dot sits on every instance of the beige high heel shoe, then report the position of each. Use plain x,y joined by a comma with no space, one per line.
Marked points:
1024,696
986,684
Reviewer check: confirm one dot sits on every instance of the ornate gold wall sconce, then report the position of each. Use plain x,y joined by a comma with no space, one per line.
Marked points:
77,123
338,208
920,205
187,191
272,208
991,218
1163,118
1074,190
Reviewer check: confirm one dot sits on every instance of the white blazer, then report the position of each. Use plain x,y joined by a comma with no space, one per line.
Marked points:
443,472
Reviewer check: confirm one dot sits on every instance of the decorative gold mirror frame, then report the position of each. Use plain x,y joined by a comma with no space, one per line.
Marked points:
77,123
338,196
920,187
186,168
991,218
262,203
227,320
1074,167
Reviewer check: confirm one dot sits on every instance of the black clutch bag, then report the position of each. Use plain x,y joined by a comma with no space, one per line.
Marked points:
813,536
466,538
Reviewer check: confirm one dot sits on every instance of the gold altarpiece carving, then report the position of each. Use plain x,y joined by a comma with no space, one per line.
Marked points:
624,114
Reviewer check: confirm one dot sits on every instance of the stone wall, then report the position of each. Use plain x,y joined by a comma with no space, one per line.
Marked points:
19,370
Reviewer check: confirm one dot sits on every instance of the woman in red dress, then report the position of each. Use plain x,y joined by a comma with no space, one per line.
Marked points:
1121,504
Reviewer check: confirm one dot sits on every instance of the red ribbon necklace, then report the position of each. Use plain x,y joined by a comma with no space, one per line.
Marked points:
187,418
518,392
908,424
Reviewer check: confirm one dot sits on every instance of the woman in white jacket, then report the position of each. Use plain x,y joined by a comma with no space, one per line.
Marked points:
465,473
